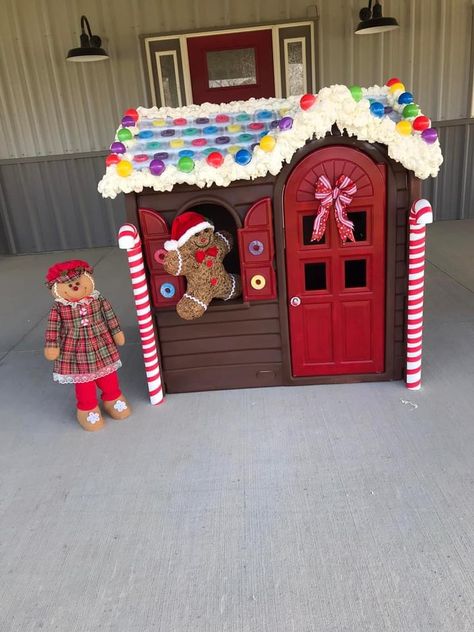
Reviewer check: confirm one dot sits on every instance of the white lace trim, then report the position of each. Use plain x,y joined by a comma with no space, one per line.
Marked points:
196,300
180,263
232,276
80,378
84,301
224,238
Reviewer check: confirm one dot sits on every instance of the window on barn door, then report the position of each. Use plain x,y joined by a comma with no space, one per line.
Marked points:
231,64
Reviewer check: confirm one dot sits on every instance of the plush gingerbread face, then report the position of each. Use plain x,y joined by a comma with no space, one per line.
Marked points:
74,289
197,252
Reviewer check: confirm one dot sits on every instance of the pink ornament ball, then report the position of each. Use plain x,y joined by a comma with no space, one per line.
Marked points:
307,101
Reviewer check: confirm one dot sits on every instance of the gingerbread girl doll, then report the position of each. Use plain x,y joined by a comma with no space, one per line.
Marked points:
81,339
197,252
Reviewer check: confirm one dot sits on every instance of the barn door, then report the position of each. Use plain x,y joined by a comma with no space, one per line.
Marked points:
336,291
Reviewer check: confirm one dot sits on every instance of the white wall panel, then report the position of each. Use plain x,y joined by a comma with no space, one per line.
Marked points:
49,106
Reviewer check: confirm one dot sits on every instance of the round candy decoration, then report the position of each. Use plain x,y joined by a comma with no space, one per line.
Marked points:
215,159
222,118
243,157
176,143
307,101
199,142
124,134
128,121
411,110
264,115
429,135
167,132
124,168
391,81
258,282
210,129
190,131
112,159
157,167
397,86
161,155
377,109
405,98
145,133
222,140
233,129
186,153
118,148
160,255
256,126
242,117
285,123
267,143
256,247
153,145
202,120
186,164
404,128
356,92
421,123
179,121
233,149
132,113
159,123
167,290
140,158
245,138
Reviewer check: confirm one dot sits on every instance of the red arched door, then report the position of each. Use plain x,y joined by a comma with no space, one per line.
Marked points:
336,291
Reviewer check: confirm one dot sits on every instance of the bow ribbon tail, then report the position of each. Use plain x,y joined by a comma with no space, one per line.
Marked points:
320,221
344,226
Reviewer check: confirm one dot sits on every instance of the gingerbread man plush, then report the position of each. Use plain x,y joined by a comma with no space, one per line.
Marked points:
81,339
197,252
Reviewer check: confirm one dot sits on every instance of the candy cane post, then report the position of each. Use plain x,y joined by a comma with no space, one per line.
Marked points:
129,240
421,214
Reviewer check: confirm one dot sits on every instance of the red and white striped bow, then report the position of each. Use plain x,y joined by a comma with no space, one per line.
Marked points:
340,197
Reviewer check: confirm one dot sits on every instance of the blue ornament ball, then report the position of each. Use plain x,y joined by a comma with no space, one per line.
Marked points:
377,109
405,98
243,157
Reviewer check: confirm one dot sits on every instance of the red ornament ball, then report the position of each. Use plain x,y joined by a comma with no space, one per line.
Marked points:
307,101
215,159
133,113
393,80
112,159
421,123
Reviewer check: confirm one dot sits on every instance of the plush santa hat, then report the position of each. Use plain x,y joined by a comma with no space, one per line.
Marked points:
67,271
184,227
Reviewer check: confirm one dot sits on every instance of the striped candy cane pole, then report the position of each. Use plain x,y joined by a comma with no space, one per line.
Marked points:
421,214
129,240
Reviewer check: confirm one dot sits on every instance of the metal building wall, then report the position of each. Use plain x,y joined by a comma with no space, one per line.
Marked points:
50,107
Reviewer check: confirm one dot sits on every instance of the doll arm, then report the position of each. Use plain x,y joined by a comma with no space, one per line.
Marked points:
112,322
176,263
51,337
224,241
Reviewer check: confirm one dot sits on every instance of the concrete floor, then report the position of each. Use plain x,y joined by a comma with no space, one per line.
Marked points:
313,509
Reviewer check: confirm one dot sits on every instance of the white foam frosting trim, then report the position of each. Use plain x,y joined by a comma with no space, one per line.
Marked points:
335,105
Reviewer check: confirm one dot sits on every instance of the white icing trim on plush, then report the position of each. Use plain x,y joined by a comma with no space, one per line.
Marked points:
194,230
180,262
232,276
225,239
83,301
196,300
80,378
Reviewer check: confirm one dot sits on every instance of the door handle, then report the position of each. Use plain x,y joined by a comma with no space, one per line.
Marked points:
295,301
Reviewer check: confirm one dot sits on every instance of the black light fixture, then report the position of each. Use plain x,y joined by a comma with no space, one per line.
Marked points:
90,49
372,20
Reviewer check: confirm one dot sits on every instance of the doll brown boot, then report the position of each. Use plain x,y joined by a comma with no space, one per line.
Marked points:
118,408
90,420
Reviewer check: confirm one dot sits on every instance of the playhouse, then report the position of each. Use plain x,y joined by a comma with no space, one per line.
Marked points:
312,310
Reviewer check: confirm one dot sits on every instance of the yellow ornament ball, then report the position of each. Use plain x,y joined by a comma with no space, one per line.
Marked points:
397,86
404,128
267,143
124,168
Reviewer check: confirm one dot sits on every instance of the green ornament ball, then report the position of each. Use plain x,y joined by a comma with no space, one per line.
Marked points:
356,92
124,134
411,110
186,164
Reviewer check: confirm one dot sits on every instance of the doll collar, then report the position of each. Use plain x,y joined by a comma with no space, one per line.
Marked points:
83,301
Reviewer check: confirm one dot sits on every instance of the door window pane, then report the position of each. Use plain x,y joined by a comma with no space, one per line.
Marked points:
360,224
168,79
356,273
315,276
235,67
295,67
308,221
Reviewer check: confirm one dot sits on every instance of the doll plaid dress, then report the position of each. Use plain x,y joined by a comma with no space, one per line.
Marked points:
83,331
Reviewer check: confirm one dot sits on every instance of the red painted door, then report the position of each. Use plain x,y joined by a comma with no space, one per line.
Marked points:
336,292
232,66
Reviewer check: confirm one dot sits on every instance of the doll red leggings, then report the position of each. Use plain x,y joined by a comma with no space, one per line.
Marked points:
86,393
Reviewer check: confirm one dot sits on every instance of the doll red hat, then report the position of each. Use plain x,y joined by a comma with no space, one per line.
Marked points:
184,227
67,271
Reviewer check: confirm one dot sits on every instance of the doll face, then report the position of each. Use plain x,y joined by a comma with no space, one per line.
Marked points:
75,290
203,238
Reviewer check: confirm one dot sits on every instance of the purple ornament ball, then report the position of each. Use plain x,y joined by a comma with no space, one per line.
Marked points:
117,148
157,167
285,123
429,135
128,121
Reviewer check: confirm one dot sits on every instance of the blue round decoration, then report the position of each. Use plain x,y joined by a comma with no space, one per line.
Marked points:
377,109
264,115
243,157
210,129
186,153
145,133
167,290
405,98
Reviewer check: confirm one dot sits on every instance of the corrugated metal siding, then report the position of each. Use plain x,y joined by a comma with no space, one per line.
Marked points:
54,205
50,106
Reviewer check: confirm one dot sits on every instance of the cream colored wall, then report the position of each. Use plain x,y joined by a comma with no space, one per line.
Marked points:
49,106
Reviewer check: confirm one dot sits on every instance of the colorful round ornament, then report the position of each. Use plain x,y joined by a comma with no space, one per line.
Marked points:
258,282
124,168
356,92
256,247
307,101
157,167
267,143
377,109
430,135
421,123
167,290
222,118
145,133
222,140
243,157
128,121
215,159
391,81
285,123
186,153
112,159
396,86
140,157
405,98
180,121
186,164
160,255
404,128
132,113
118,148
411,110
124,134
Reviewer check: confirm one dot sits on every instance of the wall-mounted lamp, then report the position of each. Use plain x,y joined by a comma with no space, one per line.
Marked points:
372,20
90,49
